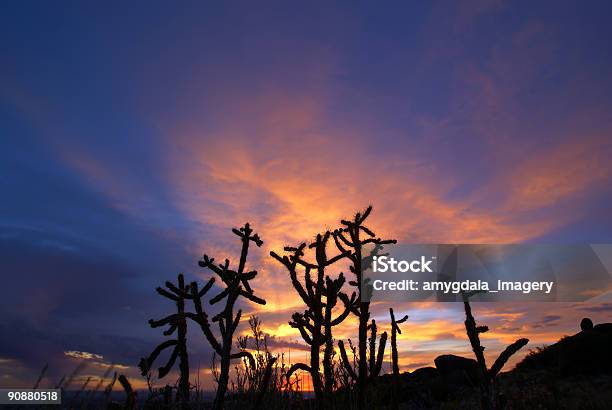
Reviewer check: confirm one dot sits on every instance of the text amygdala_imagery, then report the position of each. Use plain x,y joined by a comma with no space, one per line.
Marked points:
464,286
510,272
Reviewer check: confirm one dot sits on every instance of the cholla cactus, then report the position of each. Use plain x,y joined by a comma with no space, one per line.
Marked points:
321,296
177,323
332,294
236,285
130,394
395,329
352,239
374,358
487,387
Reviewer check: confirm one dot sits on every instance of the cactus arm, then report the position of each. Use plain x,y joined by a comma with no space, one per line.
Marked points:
402,320
309,287
246,354
208,262
372,361
162,322
305,264
222,329
378,241
366,213
179,292
164,370
348,305
345,361
300,324
171,329
367,231
146,363
340,247
298,366
202,319
246,276
206,287
381,352
167,294
343,239
292,273
220,296
337,258
130,399
236,320
505,355
253,298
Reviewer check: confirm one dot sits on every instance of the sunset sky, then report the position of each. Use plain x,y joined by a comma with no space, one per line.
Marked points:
134,137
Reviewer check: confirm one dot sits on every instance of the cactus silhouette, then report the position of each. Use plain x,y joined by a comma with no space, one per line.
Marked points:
395,329
236,285
177,323
332,294
352,238
488,398
321,296
263,386
130,394
374,358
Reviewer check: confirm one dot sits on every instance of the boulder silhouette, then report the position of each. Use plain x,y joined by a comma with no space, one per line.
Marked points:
458,370
586,324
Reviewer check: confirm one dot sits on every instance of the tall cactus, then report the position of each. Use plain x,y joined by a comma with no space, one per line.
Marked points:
332,294
321,296
352,238
177,323
395,329
488,398
376,359
236,285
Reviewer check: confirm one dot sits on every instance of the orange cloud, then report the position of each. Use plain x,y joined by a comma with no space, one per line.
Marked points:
275,160
291,178
565,173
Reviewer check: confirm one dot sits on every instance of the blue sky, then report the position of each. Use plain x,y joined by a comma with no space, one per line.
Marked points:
134,136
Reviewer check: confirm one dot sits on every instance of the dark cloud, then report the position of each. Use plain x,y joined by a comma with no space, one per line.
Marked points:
417,365
603,308
277,343
68,295
546,321
510,328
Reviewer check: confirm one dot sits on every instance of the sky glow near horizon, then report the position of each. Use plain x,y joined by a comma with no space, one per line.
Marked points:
134,138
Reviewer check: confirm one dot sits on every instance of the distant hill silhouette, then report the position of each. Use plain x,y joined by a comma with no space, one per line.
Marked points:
575,372
586,352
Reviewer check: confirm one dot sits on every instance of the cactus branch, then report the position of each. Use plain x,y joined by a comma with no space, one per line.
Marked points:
320,293
236,285
487,387
350,240
177,323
